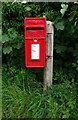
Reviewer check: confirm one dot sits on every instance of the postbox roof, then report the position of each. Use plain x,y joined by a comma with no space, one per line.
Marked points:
35,22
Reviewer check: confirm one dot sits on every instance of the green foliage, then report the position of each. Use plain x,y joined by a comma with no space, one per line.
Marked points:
60,48
64,8
59,23
11,41
15,99
23,97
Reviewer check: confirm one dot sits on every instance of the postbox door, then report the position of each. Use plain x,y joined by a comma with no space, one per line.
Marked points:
35,53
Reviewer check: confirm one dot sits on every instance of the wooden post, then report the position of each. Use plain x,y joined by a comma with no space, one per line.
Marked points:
48,70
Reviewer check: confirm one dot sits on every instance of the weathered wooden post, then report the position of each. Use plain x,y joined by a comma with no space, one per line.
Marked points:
48,70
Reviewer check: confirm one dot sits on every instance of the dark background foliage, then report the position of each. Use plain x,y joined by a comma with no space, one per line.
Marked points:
22,87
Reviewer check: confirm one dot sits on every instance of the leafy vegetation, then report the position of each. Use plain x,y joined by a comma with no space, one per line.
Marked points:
23,87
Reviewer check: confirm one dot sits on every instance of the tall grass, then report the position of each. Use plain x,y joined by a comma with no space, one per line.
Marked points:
23,97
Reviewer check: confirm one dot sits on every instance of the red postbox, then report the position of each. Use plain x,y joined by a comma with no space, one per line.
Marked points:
35,42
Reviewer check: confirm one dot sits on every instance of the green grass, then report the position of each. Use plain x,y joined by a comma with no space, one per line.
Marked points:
23,97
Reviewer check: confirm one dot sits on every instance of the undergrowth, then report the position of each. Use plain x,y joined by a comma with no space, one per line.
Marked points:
23,97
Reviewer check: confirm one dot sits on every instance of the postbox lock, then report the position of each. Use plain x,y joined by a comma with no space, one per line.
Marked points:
35,40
